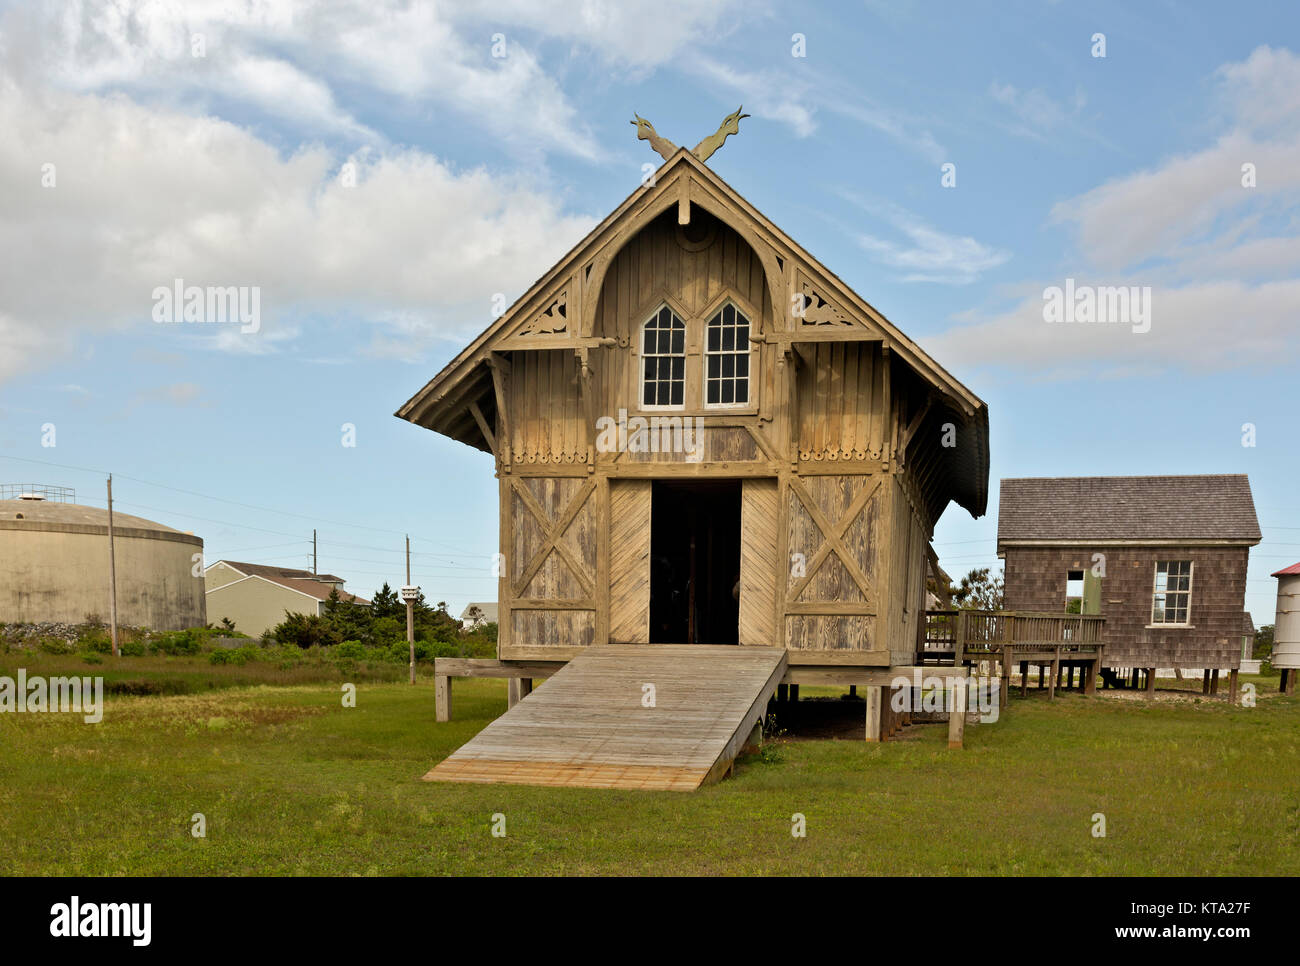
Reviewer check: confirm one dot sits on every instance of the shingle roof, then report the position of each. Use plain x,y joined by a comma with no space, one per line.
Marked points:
312,588
1128,508
264,570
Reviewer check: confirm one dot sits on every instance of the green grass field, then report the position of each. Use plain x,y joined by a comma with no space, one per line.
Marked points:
291,782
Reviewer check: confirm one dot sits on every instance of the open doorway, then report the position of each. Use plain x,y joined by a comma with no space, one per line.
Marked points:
695,562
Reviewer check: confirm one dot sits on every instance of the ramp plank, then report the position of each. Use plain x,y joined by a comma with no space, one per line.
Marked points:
586,725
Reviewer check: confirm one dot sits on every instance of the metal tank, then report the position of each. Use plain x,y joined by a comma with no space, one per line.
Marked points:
1286,630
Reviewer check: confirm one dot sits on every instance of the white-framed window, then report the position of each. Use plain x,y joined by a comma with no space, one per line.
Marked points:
663,361
726,358
1171,596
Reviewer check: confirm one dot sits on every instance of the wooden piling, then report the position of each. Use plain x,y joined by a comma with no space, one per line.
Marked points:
442,697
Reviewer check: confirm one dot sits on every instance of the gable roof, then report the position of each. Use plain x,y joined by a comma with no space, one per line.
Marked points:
313,589
487,608
443,404
264,570
1287,571
1097,508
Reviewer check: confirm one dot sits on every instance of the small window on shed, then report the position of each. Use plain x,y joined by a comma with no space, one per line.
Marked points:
1171,596
663,360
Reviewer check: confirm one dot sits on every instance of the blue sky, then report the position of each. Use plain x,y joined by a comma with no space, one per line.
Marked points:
475,173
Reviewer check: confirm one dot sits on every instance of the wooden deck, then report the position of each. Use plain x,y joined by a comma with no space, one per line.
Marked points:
587,726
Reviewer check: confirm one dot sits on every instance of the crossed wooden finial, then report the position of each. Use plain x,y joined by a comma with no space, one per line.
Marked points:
645,131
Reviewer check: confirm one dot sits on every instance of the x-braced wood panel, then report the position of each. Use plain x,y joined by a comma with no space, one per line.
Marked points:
554,536
834,582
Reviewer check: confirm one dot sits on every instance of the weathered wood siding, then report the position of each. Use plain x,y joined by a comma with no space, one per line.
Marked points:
835,529
553,561
1035,581
547,424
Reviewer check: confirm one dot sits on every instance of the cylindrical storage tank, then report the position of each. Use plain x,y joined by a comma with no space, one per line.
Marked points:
54,568
1286,627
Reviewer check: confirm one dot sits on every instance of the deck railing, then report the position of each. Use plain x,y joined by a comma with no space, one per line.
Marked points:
981,632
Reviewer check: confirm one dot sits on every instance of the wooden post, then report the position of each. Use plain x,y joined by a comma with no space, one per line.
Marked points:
1024,678
1004,695
1290,681
1151,681
442,696
1090,676
410,604
782,692
1232,686
1214,681
512,692
957,713
112,573
794,692
1205,681
874,701
1056,673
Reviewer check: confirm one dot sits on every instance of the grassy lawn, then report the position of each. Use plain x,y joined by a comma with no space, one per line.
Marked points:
291,782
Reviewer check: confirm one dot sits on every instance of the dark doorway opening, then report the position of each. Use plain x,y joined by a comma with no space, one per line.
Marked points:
695,562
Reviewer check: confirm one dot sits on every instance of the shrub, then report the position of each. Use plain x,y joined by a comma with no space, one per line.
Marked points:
177,642
349,651
306,630
249,652
97,643
131,648
54,645
91,657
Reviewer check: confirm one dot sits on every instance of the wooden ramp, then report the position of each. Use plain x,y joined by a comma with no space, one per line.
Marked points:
587,725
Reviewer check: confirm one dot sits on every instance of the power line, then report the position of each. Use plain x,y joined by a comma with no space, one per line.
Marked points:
220,499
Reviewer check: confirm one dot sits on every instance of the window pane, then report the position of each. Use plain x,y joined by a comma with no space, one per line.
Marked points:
728,392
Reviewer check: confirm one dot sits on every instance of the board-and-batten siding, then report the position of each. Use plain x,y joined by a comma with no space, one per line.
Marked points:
654,267
844,412
547,422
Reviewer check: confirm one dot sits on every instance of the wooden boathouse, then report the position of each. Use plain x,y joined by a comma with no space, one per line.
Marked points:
719,469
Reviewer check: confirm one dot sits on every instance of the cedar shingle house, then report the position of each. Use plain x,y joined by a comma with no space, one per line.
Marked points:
1162,557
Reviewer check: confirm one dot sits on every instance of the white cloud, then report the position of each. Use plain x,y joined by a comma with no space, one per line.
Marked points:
926,254
145,196
1222,260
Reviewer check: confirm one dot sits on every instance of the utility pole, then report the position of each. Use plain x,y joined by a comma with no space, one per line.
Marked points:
112,572
313,550
409,594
